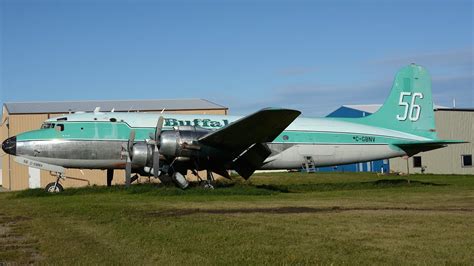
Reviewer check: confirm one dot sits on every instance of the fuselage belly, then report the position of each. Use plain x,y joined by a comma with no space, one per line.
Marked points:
107,154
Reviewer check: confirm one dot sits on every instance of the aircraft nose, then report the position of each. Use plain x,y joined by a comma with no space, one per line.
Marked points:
9,146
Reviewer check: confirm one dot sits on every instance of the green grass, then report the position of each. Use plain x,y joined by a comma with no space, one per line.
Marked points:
278,218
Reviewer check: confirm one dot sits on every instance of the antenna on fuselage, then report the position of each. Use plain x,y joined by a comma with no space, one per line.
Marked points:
97,110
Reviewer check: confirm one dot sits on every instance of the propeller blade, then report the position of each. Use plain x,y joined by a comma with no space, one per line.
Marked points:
159,127
156,162
131,140
128,171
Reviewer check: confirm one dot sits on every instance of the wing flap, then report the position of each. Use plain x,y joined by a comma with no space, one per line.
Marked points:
243,141
251,160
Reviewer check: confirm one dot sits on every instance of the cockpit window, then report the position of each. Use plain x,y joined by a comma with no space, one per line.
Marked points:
47,125
59,127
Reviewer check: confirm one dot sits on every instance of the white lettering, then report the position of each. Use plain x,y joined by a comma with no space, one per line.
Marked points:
411,110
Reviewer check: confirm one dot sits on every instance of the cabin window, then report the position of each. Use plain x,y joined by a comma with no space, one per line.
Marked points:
59,127
113,120
416,161
466,160
285,137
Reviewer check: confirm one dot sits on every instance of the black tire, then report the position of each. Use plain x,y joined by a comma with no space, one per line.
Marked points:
50,188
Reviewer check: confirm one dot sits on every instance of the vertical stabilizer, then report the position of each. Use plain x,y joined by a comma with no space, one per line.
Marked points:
409,107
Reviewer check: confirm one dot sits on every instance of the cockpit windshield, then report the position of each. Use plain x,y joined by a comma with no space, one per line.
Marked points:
47,125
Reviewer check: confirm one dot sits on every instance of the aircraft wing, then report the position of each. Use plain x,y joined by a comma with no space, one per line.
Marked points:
260,127
244,140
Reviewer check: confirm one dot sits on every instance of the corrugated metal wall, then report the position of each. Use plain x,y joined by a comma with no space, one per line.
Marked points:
454,125
3,136
16,176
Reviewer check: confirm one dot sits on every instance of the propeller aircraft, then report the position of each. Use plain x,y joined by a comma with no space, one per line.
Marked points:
166,146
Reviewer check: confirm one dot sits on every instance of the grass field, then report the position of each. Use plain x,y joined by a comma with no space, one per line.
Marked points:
278,218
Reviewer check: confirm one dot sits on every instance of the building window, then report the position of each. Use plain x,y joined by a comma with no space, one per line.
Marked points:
416,161
466,160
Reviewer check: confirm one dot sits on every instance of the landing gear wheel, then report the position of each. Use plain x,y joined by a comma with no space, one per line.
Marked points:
208,185
54,187
179,180
209,181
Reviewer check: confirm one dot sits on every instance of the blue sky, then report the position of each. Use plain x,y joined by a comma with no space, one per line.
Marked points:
310,55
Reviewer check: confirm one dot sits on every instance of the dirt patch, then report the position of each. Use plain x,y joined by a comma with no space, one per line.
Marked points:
394,182
15,247
295,210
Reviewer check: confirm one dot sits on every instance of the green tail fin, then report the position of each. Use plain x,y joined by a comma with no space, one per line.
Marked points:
409,107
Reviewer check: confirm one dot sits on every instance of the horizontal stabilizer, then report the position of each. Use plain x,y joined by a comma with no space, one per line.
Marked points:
428,145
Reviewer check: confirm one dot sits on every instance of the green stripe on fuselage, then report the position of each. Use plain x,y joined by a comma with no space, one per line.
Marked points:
333,137
87,131
120,131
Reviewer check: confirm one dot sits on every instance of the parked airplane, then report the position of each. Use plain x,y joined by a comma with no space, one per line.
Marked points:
168,145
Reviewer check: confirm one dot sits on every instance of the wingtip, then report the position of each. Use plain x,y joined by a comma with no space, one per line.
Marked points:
280,109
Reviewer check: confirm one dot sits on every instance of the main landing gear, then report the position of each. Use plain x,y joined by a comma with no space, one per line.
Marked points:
180,180
208,182
110,177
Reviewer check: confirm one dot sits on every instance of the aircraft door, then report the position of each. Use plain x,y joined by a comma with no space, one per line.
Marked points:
320,154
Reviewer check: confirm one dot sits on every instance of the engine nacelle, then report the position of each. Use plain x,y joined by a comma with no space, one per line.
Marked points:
181,142
142,154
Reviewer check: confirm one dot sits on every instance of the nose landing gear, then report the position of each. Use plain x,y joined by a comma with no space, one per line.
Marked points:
55,187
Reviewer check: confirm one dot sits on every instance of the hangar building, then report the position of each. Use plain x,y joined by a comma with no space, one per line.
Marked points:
451,123
372,166
25,116
455,124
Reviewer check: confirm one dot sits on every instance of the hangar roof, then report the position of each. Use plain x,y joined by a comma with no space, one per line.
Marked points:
108,105
368,108
462,109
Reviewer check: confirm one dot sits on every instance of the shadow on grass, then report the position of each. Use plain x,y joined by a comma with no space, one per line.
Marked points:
295,210
221,188
227,188
378,184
